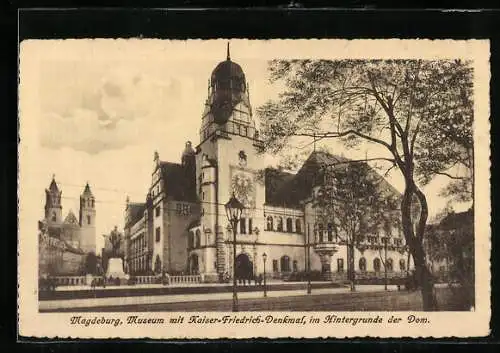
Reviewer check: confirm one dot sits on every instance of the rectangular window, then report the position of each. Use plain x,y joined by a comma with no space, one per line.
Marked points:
275,265
186,210
250,230
203,195
340,265
88,219
179,209
243,225
157,211
245,131
158,234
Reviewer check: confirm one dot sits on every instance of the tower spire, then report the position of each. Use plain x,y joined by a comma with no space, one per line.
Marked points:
228,54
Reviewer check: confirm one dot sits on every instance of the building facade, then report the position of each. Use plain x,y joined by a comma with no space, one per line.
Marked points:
182,226
64,243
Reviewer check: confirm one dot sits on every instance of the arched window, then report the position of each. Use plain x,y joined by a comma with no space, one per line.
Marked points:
295,266
54,217
330,232
298,226
280,224
270,223
198,238
285,263
320,232
243,225
389,265
289,225
362,264
376,264
402,265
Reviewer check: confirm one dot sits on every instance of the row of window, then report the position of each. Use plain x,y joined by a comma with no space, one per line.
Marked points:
246,226
284,265
139,265
138,244
377,264
279,225
236,128
376,240
329,233
89,203
194,240
183,209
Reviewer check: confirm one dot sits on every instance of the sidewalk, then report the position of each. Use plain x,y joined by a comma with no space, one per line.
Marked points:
162,299
180,285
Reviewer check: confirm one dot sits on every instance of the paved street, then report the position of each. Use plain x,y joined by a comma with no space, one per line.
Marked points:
365,298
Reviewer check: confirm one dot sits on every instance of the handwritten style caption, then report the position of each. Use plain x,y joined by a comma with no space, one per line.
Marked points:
102,320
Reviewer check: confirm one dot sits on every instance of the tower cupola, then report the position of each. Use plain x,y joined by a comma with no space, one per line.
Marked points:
228,86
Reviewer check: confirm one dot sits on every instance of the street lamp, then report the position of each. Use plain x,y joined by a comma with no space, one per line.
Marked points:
234,209
308,260
264,257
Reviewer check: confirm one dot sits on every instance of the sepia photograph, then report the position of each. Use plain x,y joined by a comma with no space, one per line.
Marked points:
189,182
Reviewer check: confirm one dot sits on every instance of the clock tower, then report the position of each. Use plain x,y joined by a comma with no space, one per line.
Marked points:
228,162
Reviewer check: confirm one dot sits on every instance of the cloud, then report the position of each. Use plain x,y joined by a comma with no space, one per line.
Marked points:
85,131
112,112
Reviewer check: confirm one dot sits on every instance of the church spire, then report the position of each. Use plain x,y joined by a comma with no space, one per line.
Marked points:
228,54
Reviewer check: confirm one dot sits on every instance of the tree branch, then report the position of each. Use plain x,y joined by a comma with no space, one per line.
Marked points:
448,175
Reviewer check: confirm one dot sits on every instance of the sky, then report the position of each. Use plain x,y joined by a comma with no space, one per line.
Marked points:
98,109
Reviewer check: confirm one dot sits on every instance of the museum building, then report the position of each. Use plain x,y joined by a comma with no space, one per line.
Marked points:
182,226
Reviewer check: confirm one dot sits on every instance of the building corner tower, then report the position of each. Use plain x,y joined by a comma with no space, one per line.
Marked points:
87,221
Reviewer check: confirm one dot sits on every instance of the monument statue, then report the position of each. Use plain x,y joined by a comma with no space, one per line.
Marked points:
115,239
115,267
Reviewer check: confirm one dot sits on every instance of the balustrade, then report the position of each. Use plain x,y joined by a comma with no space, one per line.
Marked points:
70,280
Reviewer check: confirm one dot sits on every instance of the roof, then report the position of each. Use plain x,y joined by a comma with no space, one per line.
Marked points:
228,85
136,211
180,182
193,224
72,249
226,70
70,218
457,220
53,186
276,180
86,191
289,190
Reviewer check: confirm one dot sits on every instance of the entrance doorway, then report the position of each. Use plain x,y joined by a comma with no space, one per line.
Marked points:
244,267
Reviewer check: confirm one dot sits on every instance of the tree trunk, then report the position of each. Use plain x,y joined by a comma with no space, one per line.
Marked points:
423,276
352,274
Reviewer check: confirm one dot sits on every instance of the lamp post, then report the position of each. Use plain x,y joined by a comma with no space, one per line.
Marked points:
264,257
234,209
385,263
308,261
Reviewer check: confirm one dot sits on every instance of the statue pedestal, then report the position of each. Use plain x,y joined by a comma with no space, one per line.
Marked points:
115,268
